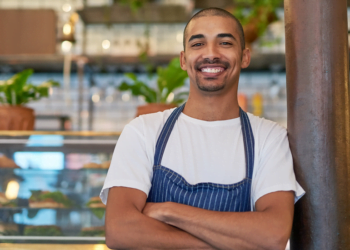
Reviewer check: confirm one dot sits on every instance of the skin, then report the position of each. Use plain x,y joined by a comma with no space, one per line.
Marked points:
131,223
212,50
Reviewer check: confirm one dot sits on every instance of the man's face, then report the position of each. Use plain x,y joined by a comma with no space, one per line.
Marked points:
213,57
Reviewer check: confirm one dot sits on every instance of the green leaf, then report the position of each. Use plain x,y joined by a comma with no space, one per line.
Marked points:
169,79
98,212
57,196
132,76
17,91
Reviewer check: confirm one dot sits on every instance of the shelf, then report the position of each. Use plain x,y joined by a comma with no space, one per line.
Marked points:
103,63
51,246
149,13
62,141
50,208
53,238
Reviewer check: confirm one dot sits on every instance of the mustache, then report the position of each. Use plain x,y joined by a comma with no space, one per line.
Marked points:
213,61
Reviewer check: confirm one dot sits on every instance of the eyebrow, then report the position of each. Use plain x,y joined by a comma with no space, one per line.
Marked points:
195,37
221,35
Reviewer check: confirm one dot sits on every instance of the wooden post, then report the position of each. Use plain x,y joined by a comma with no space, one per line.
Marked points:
317,66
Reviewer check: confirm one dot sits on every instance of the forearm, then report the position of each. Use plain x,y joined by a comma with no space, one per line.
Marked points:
141,232
229,230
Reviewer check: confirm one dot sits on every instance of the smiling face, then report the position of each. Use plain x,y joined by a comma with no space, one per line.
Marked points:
213,55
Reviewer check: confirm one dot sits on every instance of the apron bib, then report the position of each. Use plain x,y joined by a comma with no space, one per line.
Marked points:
168,185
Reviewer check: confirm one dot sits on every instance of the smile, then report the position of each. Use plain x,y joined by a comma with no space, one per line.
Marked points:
212,69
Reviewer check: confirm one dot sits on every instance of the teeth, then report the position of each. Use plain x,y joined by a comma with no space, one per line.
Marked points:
211,70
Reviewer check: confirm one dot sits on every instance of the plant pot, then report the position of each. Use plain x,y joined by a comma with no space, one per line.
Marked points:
153,108
16,118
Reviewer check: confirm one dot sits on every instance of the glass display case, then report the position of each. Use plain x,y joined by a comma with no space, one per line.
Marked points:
49,186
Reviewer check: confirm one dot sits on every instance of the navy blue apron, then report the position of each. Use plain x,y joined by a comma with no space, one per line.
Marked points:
168,185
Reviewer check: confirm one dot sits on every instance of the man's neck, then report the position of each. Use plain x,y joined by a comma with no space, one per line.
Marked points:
212,108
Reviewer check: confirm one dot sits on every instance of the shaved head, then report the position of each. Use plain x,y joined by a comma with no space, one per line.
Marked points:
216,12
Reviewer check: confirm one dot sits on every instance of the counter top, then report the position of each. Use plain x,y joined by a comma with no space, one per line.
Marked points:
13,246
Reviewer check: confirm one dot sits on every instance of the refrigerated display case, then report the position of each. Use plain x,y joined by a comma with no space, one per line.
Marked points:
49,184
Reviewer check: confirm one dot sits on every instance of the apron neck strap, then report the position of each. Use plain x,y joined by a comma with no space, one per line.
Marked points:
165,134
247,132
249,143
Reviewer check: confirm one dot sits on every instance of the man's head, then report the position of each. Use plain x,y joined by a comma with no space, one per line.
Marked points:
216,12
214,51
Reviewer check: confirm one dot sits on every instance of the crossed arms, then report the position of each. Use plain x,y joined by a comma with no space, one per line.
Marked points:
131,223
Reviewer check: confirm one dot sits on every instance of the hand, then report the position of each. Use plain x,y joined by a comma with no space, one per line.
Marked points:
156,211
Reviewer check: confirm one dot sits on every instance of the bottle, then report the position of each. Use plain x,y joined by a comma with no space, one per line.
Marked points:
257,104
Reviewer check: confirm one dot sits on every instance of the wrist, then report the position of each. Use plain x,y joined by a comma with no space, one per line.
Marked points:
170,212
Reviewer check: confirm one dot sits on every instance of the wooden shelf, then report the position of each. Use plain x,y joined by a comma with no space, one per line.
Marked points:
102,63
149,13
15,133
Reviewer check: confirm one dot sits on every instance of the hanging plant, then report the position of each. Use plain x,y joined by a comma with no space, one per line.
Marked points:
255,16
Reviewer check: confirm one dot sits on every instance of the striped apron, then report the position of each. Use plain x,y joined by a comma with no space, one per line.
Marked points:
168,185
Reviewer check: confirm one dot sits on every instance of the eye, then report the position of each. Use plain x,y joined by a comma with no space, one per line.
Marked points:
226,43
196,44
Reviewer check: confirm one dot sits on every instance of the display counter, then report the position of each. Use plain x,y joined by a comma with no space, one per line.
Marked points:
49,187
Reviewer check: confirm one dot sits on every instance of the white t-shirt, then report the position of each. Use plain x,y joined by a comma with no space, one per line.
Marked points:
203,151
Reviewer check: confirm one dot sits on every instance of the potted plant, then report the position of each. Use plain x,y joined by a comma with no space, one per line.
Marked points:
163,97
256,17
14,94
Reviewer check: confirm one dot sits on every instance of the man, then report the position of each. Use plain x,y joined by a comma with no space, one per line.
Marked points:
206,175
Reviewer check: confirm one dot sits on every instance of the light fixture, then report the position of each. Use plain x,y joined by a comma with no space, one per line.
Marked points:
106,44
66,46
67,29
95,97
66,7
126,97
12,190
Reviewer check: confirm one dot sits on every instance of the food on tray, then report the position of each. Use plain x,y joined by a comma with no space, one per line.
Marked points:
96,206
4,202
3,198
46,199
103,165
8,229
93,231
7,162
91,165
42,231
95,202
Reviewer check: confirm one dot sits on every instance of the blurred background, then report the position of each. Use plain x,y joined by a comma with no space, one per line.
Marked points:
74,73
88,47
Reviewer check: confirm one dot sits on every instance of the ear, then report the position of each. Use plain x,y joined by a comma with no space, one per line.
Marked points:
245,58
183,60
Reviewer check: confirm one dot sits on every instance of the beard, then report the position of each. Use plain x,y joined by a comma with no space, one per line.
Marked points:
209,85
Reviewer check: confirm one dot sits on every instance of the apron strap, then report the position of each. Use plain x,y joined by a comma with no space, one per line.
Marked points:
165,134
249,143
247,132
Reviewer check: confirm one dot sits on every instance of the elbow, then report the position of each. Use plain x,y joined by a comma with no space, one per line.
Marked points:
279,240
115,239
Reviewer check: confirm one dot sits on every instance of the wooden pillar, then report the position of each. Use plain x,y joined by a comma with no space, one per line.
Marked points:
317,67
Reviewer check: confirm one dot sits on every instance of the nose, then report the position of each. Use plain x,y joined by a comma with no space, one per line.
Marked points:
211,52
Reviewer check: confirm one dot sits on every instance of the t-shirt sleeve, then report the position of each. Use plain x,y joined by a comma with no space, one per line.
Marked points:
274,170
130,166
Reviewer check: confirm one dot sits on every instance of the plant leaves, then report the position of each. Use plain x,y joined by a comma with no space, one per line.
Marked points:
17,91
169,79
